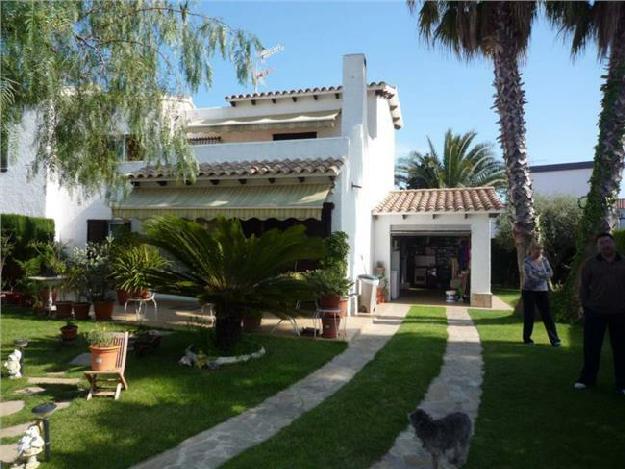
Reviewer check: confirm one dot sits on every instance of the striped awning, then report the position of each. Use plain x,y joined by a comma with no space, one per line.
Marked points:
264,122
300,201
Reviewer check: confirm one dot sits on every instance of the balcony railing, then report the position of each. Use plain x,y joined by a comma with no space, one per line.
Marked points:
334,147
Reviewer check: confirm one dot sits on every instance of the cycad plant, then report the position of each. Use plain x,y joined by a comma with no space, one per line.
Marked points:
462,164
131,267
236,273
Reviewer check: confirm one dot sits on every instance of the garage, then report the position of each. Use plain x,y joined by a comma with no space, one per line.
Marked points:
435,243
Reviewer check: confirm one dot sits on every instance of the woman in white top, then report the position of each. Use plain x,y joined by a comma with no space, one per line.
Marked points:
536,294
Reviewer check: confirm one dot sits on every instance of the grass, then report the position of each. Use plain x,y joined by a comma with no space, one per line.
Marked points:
530,416
357,425
165,403
508,295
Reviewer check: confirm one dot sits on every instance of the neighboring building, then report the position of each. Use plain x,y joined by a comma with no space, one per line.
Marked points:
572,179
320,156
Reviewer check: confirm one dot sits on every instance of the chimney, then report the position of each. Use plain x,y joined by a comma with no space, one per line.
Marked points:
354,110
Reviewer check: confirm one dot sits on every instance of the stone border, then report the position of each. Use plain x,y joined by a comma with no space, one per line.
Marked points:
239,358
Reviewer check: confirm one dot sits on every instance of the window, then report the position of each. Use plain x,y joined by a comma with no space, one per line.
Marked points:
295,136
98,230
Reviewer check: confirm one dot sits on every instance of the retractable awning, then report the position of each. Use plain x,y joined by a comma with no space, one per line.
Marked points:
301,201
283,121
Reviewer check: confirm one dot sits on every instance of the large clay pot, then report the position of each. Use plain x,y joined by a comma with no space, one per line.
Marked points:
44,295
103,358
343,304
330,301
122,297
64,309
81,311
331,323
68,333
103,310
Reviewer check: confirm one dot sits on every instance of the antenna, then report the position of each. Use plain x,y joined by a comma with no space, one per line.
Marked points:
259,76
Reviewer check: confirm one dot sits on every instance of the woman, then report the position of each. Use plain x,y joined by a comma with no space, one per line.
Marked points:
536,294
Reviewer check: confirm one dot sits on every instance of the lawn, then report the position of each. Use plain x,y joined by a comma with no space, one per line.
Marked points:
530,415
357,425
165,403
508,295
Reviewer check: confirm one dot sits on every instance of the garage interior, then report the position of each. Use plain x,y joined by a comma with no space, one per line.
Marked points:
431,265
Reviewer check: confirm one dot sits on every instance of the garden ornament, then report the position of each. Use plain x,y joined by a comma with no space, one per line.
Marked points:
13,364
29,446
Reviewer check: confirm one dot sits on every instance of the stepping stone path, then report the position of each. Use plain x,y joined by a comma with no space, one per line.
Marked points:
456,389
29,391
52,380
8,453
213,447
10,407
15,430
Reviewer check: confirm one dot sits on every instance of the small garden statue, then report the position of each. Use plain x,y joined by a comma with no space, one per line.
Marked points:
13,365
29,446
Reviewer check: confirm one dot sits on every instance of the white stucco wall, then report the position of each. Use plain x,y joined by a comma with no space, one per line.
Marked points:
478,225
19,193
574,182
70,213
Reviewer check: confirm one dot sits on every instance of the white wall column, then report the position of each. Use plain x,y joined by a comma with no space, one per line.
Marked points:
480,262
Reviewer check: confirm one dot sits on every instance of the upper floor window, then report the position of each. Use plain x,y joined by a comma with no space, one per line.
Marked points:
204,140
295,136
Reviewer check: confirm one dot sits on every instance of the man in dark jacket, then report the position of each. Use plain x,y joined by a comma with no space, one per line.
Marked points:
602,294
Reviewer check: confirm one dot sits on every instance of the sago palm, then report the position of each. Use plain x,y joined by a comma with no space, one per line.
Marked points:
604,24
235,273
462,164
499,31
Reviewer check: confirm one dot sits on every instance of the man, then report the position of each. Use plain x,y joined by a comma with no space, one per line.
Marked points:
602,294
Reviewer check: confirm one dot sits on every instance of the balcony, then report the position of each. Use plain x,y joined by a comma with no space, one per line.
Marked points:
334,147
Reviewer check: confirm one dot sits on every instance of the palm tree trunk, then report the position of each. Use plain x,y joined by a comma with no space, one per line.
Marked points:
509,102
599,214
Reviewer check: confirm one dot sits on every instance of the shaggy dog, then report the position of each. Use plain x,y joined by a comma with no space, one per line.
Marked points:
447,437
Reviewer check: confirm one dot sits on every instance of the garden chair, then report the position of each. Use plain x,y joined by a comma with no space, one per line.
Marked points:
116,375
141,303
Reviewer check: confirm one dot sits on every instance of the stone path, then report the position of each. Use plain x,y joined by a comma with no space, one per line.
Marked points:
456,389
215,446
15,430
52,380
29,391
8,453
10,407
84,359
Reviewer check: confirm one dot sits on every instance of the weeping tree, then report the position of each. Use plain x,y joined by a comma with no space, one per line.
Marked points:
462,164
239,275
604,24
499,31
93,69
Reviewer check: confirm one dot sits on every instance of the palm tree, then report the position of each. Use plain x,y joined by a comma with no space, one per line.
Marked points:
500,31
235,273
603,23
462,165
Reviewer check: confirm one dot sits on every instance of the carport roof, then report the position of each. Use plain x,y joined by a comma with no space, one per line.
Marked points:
457,200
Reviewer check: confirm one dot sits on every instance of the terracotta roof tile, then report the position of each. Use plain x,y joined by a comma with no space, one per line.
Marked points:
473,199
293,92
296,167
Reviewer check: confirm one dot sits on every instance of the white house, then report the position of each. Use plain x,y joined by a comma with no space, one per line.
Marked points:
571,179
319,156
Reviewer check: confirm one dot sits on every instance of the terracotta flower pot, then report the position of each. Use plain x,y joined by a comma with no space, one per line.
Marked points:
331,323
68,333
44,295
103,310
251,323
81,310
103,358
64,309
343,304
122,296
330,301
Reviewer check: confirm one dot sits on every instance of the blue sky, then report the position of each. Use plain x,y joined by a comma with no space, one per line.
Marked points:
437,91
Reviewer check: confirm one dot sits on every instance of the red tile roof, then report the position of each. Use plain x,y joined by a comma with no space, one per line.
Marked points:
294,92
295,167
470,199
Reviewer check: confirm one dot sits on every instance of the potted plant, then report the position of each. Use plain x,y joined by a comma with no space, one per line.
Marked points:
103,350
95,277
131,270
330,287
69,331
335,261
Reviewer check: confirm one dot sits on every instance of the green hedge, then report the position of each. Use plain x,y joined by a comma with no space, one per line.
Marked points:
23,230
619,237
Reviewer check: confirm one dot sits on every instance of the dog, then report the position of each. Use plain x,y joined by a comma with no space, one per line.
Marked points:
447,437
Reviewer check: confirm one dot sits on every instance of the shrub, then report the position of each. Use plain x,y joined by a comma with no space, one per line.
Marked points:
24,233
558,218
619,238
